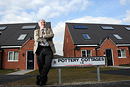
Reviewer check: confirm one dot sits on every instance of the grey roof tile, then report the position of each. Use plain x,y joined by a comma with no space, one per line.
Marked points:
97,34
10,35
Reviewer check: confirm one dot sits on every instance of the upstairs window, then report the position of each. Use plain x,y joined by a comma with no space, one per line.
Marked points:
80,27
107,27
121,53
86,53
22,37
128,28
117,36
3,28
86,36
29,27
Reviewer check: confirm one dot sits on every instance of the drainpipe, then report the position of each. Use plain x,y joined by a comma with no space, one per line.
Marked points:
2,58
97,48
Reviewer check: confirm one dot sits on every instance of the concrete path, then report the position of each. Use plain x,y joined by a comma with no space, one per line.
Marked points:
20,72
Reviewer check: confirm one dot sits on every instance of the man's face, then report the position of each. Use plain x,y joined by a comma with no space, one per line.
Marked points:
42,24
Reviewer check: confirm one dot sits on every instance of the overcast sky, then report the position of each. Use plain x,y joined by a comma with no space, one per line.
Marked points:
60,11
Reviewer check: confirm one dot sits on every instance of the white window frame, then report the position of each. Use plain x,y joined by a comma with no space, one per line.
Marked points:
122,53
86,52
117,36
13,60
22,37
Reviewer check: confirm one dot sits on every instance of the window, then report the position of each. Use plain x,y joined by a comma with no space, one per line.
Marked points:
86,36
117,36
80,27
121,53
86,53
29,27
13,56
22,37
128,28
3,28
107,27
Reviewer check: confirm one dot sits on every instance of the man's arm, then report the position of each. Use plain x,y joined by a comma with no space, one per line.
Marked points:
35,35
49,35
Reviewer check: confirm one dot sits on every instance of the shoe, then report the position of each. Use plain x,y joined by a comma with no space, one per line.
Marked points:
42,84
38,80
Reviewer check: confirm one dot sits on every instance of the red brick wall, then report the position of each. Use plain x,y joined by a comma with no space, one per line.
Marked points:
68,48
8,64
78,52
124,60
21,64
28,46
108,44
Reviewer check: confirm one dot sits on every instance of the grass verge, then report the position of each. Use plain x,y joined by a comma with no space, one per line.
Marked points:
6,71
73,76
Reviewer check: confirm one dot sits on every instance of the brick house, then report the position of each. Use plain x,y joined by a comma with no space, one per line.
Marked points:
16,46
110,40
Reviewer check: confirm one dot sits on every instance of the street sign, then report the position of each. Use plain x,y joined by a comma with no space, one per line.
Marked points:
78,61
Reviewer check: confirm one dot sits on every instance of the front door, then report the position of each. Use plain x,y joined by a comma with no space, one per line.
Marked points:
109,57
30,60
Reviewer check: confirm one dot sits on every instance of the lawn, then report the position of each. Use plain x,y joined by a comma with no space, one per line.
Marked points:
6,71
73,76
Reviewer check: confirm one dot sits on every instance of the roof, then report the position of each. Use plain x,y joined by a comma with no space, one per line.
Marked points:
97,34
9,36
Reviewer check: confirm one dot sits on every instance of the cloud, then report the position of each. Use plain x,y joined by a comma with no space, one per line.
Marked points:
59,37
124,2
127,18
90,19
36,9
60,28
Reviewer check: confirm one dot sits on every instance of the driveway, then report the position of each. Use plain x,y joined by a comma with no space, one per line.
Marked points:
11,78
124,72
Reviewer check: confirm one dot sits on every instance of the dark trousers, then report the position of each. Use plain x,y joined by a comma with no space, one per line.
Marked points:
44,59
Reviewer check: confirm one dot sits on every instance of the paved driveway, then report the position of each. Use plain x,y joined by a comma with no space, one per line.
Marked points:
125,72
10,78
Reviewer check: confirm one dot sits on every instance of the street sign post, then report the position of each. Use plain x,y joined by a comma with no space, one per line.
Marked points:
79,62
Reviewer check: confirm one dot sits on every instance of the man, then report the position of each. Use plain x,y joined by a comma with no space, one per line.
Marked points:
44,49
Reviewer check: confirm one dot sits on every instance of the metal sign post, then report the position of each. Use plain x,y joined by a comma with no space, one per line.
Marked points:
98,73
79,62
59,76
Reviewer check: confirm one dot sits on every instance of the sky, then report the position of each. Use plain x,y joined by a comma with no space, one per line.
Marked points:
58,12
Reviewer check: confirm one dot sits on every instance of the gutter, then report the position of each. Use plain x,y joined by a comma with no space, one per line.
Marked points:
10,47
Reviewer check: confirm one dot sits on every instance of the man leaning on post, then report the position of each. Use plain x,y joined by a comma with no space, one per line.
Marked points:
44,49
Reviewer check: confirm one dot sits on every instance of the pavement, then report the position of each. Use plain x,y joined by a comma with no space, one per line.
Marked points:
20,72
21,75
14,76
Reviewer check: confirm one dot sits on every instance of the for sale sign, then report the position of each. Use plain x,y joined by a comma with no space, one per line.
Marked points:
78,61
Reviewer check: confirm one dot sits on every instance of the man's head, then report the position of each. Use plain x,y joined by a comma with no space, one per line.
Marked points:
42,23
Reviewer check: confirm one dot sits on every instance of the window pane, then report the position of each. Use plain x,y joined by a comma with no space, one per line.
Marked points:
29,27
16,55
3,28
80,27
119,53
85,36
83,53
107,27
10,56
128,28
22,36
123,53
117,36
88,53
